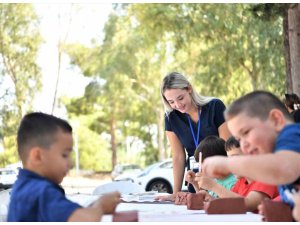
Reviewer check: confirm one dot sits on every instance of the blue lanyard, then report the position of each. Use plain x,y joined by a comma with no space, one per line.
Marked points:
196,140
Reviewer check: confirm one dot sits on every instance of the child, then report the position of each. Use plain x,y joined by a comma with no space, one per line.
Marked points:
45,146
252,191
292,104
266,132
210,146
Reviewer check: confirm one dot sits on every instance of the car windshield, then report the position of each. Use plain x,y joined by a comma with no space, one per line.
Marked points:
168,164
160,164
148,168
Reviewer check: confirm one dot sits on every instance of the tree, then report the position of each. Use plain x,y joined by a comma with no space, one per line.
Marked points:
214,44
20,75
291,32
217,44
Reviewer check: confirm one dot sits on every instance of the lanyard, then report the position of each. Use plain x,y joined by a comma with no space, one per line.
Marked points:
196,140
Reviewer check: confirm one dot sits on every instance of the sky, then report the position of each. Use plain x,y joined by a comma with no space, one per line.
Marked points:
87,23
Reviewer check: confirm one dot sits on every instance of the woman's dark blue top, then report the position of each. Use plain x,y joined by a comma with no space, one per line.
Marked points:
210,119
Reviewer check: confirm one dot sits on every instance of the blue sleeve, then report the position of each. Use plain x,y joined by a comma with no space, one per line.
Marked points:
219,112
55,207
289,139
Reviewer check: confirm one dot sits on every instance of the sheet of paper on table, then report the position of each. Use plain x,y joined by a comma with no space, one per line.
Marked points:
148,196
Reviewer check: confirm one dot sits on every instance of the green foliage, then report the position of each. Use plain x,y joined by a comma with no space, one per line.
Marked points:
222,48
220,41
271,11
10,154
20,77
225,49
94,152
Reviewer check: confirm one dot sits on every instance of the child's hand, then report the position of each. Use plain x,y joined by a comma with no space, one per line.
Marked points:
296,210
204,182
216,166
261,211
207,197
109,202
190,177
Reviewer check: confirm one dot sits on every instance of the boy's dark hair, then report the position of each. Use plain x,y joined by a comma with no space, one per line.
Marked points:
256,104
231,143
210,146
39,129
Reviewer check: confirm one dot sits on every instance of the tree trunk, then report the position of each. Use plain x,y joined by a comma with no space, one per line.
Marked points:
294,42
160,126
287,57
113,142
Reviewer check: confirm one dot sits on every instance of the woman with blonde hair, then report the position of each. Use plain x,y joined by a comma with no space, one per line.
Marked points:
189,118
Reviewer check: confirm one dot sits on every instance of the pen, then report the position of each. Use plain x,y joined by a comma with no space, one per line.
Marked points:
200,162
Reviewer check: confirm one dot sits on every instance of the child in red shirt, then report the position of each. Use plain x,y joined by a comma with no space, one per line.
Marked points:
253,191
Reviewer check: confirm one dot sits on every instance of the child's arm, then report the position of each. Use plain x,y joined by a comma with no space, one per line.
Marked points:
209,184
253,199
275,168
105,205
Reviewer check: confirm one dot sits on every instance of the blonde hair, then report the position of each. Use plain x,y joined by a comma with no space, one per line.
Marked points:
176,80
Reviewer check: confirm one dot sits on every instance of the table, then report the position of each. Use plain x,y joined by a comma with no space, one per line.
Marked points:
157,212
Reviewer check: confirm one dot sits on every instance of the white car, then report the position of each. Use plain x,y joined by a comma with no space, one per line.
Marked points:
158,177
7,177
128,176
123,171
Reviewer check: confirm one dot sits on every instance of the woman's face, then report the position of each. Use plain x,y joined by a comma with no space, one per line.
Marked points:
179,99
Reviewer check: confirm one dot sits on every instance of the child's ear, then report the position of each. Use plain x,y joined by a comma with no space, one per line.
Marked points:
35,155
277,117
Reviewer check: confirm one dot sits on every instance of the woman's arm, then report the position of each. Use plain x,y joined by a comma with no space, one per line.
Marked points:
224,132
178,156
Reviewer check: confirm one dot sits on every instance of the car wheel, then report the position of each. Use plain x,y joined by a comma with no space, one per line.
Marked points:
161,186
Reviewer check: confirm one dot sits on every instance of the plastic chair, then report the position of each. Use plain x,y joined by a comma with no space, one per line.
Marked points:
124,187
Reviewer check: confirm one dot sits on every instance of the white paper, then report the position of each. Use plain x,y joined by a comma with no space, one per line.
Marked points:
140,197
